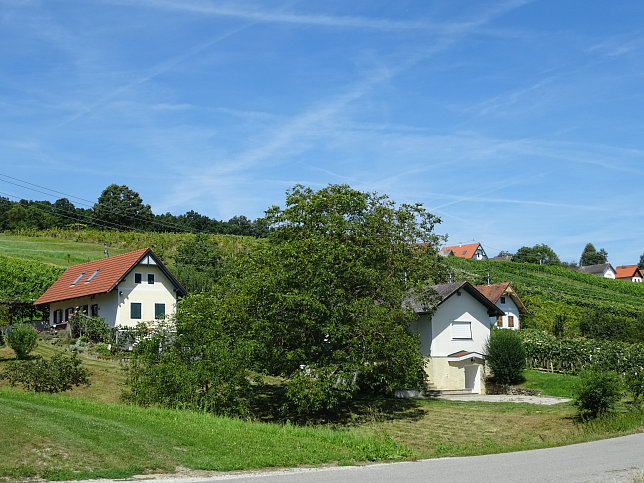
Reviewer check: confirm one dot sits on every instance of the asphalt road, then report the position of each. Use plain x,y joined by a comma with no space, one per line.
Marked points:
611,460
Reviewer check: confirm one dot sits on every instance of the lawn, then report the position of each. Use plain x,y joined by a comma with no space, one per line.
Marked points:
550,384
55,251
86,433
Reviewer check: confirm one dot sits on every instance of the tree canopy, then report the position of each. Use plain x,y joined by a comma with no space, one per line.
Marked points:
122,207
321,303
590,256
641,264
540,254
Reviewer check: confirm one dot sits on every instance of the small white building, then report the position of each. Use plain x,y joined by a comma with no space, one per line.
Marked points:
453,332
505,298
123,290
605,270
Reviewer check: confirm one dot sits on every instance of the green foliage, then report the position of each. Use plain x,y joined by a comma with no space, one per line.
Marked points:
505,356
540,254
198,263
121,208
25,280
22,338
327,292
634,382
641,263
590,256
200,366
572,355
94,329
59,373
596,392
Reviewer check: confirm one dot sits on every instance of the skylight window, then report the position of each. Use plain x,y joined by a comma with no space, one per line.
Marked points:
93,275
78,279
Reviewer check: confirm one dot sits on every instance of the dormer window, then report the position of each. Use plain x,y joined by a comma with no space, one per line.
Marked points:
78,279
93,275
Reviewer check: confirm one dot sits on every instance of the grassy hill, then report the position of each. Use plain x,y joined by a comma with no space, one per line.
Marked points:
549,292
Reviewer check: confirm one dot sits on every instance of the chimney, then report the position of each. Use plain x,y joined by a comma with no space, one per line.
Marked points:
106,255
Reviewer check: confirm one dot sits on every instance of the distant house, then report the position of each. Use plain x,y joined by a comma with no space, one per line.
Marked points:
505,298
471,250
605,270
628,272
124,290
453,336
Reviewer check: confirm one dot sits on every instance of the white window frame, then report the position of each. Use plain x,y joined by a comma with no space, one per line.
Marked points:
461,330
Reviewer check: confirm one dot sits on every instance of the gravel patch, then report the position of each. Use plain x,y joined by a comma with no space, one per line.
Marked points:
544,400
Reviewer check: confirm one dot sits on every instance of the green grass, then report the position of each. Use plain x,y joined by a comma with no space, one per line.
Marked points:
53,250
57,437
550,384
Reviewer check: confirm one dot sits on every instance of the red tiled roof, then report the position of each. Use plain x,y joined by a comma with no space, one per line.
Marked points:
104,274
463,251
493,292
459,354
627,271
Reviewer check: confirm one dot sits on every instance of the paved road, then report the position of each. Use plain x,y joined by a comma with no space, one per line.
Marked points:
612,460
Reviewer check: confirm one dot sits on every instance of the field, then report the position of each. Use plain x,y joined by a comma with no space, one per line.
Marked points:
87,433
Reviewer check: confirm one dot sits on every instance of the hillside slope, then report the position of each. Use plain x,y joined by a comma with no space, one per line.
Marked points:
549,292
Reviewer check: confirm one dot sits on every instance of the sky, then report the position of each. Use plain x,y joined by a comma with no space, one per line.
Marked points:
517,122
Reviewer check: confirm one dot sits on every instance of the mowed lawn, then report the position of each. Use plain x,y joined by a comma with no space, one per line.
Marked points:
53,250
86,433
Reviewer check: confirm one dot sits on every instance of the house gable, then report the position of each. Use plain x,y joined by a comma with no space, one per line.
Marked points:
471,250
628,272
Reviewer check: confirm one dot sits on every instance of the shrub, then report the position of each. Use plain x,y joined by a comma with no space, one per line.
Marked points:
596,392
505,356
634,381
22,338
60,373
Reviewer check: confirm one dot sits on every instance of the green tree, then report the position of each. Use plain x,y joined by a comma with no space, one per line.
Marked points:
641,264
199,263
539,254
324,297
60,373
505,355
596,392
122,208
590,256
22,338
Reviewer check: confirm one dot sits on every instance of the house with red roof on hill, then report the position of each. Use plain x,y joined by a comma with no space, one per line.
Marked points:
505,298
628,272
469,250
123,290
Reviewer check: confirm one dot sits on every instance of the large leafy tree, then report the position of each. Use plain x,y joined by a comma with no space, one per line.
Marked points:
590,256
641,264
121,208
324,297
321,303
540,253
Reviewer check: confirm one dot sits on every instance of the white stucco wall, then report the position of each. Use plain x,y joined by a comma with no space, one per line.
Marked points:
609,273
114,306
510,309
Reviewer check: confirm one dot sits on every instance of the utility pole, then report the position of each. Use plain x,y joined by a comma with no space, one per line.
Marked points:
106,255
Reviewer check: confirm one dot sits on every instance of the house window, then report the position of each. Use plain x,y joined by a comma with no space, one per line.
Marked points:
137,278
77,279
461,330
135,310
510,320
94,310
58,316
93,275
159,311
502,300
151,278
499,321
68,313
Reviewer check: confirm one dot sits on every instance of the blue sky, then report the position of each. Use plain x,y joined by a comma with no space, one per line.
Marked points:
516,122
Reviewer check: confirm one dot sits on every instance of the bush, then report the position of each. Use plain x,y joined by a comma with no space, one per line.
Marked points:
60,373
22,338
596,392
506,356
634,381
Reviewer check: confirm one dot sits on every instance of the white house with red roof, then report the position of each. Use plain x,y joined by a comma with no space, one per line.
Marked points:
628,272
123,290
468,250
453,330
505,298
